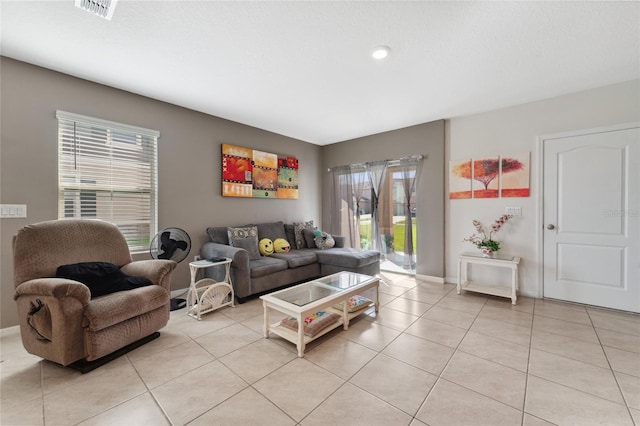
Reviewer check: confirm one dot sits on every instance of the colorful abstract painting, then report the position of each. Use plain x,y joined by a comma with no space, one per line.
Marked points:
287,177
257,174
237,171
514,175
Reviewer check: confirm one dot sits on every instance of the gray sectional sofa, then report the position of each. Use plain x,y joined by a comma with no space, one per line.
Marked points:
253,274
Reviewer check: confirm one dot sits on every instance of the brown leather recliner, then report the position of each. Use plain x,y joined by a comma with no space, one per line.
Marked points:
59,321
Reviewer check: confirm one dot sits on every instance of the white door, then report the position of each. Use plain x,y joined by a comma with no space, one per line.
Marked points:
592,217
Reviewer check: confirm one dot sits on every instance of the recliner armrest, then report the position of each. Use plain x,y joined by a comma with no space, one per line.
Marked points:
157,270
54,287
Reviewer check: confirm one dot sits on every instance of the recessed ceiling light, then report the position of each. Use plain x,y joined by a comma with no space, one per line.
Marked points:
380,52
101,8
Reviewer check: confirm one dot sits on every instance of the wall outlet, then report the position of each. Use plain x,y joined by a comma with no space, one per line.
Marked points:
13,211
513,211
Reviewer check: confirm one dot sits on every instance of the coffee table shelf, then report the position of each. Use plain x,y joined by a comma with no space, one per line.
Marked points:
305,299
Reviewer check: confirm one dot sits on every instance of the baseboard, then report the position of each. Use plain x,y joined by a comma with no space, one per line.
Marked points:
430,278
180,293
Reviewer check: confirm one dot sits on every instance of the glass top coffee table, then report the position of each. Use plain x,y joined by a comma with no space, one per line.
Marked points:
322,294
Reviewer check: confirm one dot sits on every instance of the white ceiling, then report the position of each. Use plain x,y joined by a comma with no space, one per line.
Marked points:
303,69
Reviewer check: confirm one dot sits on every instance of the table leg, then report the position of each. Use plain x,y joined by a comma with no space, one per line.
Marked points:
377,303
266,320
300,343
192,294
459,286
514,285
345,315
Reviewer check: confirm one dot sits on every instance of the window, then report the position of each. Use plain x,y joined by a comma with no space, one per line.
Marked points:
108,171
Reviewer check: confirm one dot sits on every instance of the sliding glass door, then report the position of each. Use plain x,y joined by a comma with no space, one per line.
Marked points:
398,221
374,207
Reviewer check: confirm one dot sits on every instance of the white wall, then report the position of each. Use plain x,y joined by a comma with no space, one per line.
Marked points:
515,130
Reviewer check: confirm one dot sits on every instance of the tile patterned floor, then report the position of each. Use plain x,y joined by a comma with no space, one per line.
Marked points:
429,357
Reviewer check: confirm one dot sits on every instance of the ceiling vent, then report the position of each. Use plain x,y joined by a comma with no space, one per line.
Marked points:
101,8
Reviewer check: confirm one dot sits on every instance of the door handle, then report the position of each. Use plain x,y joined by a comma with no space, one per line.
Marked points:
550,227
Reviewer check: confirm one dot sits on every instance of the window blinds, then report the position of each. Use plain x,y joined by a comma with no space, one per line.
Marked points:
108,171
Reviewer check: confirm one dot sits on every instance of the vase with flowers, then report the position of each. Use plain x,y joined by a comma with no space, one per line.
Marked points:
485,242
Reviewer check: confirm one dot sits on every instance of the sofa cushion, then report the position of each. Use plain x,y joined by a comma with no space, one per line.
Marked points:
347,257
297,258
298,227
245,238
309,236
271,230
218,234
291,235
266,265
250,245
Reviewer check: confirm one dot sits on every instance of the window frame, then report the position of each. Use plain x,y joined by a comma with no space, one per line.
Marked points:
92,154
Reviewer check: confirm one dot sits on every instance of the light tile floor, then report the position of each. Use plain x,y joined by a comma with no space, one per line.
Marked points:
429,357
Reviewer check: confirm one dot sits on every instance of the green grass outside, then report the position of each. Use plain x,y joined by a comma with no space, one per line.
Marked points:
398,234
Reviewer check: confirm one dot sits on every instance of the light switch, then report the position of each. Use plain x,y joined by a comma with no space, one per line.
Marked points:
13,211
513,211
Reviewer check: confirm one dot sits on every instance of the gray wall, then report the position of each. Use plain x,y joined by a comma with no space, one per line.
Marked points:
427,139
189,161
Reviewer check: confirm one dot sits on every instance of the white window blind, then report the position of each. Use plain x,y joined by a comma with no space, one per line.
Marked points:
108,171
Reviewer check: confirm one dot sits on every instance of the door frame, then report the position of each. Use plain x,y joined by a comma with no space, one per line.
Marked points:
539,221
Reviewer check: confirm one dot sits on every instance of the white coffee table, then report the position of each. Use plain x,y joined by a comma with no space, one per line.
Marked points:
305,299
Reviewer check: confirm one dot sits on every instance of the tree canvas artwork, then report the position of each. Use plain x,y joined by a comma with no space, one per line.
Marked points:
514,178
460,179
504,176
485,178
250,173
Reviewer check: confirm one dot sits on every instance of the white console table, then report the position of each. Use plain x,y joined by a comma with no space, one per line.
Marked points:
509,262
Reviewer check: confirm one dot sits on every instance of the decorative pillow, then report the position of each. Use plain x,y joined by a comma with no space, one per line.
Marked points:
280,245
354,303
309,238
250,233
313,324
298,227
291,234
244,232
324,241
101,277
266,247
271,230
250,245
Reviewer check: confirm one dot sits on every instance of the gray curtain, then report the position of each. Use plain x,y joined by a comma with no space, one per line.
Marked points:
409,169
358,179
342,214
376,172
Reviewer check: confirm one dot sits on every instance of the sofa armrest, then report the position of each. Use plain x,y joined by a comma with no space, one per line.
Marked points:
158,271
339,241
58,288
240,269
